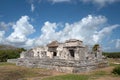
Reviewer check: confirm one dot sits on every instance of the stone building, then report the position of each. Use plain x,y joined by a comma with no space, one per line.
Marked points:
71,56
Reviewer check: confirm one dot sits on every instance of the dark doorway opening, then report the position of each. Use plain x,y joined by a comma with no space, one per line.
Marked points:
72,53
54,54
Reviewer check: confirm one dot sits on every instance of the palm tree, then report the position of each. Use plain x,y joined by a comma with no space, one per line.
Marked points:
95,47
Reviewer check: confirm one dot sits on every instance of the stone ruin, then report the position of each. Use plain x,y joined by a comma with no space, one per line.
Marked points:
71,57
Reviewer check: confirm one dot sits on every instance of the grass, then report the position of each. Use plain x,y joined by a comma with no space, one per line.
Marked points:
100,73
12,72
68,77
5,64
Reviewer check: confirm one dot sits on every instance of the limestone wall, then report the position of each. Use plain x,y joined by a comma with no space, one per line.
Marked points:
12,61
69,66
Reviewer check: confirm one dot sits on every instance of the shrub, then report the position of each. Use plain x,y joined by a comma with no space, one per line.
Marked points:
95,47
3,57
112,54
10,54
116,70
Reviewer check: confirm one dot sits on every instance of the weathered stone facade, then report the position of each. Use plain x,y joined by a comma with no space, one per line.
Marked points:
71,56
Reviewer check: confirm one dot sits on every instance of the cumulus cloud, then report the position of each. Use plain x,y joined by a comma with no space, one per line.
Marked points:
102,33
48,33
5,26
101,3
87,29
22,29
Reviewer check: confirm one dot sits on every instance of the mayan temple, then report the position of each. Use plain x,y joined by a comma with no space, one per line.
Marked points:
72,56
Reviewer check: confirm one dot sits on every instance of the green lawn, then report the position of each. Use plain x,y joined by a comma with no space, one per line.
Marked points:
68,77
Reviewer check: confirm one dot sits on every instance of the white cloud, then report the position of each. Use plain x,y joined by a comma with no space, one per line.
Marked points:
22,29
53,1
32,7
48,33
29,43
4,26
2,36
118,43
102,33
86,29
101,3
59,1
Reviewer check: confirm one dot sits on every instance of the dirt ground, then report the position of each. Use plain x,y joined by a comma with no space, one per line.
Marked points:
108,78
16,72
107,70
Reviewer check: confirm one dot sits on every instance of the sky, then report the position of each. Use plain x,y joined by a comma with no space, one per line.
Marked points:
31,23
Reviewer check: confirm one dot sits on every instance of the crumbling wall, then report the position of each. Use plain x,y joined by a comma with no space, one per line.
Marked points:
69,66
71,56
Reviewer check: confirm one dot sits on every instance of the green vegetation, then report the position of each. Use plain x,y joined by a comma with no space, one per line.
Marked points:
68,77
12,72
100,73
116,70
112,54
95,47
10,54
5,64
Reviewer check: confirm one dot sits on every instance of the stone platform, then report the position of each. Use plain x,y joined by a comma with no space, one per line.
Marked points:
68,66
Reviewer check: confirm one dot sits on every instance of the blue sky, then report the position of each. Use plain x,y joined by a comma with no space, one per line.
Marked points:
30,23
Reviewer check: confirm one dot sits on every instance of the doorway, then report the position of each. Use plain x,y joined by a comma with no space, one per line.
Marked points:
72,53
54,54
